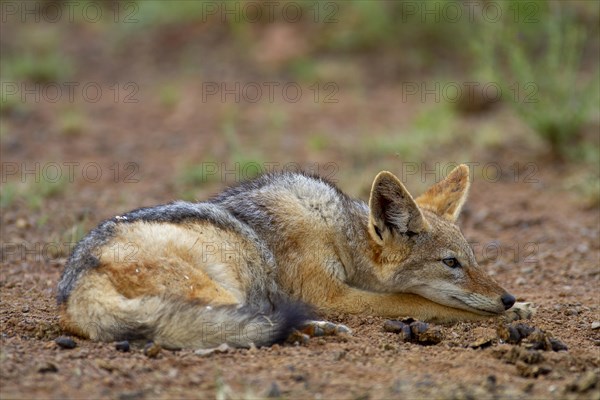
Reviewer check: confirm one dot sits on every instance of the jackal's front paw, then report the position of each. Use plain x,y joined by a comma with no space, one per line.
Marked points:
520,311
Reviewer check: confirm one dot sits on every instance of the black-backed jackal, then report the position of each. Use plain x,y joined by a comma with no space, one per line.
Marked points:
239,268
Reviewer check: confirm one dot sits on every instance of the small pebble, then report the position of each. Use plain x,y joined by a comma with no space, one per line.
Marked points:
393,326
65,342
524,329
509,334
25,309
299,377
431,335
557,345
571,311
418,327
122,346
399,327
595,324
151,350
405,334
46,367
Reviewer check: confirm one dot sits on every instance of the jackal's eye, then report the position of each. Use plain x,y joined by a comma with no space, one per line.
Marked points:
451,262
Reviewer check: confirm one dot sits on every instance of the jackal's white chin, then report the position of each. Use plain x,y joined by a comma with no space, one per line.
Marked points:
451,297
478,304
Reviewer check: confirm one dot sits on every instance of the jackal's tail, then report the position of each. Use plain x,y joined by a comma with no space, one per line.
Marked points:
177,323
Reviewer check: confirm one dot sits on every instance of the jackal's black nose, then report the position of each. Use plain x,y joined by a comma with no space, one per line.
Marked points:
508,300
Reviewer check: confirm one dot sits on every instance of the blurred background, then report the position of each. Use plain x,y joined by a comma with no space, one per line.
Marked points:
107,106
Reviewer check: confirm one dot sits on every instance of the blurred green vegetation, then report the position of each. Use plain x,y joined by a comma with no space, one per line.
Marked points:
71,121
542,54
8,194
434,124
35,58
542,73
33,193
170,96
38,58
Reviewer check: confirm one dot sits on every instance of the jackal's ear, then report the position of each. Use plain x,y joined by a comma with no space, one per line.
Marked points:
393,209
447,197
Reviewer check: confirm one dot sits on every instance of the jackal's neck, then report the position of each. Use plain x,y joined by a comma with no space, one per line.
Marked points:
357,249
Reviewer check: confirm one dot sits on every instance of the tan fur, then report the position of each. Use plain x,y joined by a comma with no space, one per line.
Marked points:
151,259
447,197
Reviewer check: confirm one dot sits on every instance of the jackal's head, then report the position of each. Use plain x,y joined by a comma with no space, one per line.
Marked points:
419,249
